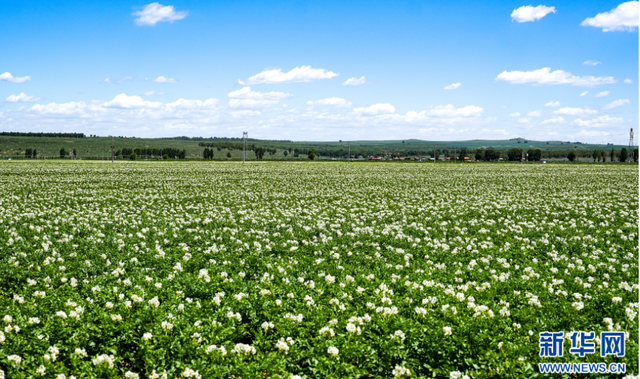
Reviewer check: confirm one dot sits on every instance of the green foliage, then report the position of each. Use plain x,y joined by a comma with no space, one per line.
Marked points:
514,155
571,156
624,155
159,266
133,156
259,152
311,155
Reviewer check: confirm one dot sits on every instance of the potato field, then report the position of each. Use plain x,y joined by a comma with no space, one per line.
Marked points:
311,270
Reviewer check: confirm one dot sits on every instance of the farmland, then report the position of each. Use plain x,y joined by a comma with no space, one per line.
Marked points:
315,270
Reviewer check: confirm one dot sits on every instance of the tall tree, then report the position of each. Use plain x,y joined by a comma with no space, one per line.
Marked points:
624,155
62,153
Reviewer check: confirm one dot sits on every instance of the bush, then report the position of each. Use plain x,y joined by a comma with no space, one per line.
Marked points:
571,156
133,156
311,155
165,156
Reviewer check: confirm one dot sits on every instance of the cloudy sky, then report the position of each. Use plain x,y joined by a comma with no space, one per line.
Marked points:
322,70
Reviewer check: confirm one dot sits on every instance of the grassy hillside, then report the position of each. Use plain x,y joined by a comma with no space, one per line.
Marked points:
101,146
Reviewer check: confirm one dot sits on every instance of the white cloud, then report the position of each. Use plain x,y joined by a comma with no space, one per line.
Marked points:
623,17
335,101
162,79
514,114
376,109
592,63
591,134
584,93
153,93
628,81
617,103
245,114
534,114
552,104
529,13
453,86
524,120
603,94
546,76
130,102
251,103
153,13
13,79
598,122
298,74
575,111
355,82
553,120
21,98
247,93
109,81
448,111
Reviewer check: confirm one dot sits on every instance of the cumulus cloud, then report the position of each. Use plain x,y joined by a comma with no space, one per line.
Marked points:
130,102
546,76
534,114
530,13
575,111
628,81
591,63
617,103
153,93
552,104
448,110
24,98
251,103
603,94
584,93
162,79
13,79
598,122
247,93
334,101
248,99
514,114
153,13
524,120
553,120
298,74
375,109
355,81
623,17
453,86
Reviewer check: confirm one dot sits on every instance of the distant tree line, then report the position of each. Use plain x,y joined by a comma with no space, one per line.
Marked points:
150,151
225,145
31,134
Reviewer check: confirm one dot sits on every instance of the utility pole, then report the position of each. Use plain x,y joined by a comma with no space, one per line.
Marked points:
244,145
631,145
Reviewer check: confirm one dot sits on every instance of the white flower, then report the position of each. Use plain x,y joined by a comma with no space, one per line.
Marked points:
147,336
447,330
332,350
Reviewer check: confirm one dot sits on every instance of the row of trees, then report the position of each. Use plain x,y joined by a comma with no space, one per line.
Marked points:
30,134
152,152
621,156
64,153
30,153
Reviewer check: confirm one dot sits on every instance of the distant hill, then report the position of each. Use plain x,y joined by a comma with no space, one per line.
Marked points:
93,146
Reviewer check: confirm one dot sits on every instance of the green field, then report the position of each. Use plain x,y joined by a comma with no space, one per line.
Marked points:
311,269
100,147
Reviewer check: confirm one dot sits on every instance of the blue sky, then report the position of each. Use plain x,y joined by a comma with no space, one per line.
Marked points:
550,71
